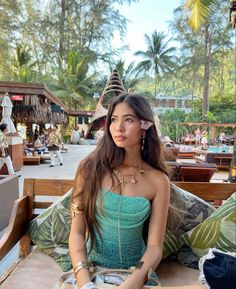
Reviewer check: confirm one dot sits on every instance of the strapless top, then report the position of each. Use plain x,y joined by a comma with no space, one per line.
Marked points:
121,219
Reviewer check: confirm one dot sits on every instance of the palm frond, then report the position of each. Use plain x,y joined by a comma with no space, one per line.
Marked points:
199,11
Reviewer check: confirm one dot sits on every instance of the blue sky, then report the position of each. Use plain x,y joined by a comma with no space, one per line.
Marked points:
145,17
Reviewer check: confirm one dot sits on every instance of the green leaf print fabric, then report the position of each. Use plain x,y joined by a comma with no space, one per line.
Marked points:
186,211
50,231
217,231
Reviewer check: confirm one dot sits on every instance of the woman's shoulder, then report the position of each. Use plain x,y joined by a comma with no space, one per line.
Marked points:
157,178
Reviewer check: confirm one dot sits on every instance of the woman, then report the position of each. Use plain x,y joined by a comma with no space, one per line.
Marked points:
4,150
117,187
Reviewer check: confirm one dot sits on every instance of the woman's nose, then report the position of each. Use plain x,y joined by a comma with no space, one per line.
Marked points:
120,126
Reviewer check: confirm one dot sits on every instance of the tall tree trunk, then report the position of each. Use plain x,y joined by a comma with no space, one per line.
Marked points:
155,85
205,102
62,33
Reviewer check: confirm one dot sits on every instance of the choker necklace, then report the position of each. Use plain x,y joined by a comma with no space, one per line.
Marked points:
127,179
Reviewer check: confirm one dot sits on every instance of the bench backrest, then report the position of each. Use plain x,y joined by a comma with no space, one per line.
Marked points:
23,210
45,189
55,187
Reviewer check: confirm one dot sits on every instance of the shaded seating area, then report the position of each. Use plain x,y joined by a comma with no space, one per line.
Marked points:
221,160
191,172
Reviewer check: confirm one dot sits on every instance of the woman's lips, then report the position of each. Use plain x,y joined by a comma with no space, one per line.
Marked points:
120,138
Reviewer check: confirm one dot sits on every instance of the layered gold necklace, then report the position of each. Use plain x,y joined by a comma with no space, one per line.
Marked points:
124,180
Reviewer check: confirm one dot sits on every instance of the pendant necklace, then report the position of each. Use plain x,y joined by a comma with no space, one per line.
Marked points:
124,180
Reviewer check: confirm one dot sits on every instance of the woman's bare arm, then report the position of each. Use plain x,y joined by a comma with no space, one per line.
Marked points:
77,245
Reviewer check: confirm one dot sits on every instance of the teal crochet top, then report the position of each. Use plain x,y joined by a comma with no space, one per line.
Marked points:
121,222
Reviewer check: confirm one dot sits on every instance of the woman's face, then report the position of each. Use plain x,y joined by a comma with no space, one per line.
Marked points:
125,127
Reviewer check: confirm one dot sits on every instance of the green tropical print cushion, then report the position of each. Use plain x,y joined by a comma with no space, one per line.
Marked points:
186,211
171,244
217,231
50,231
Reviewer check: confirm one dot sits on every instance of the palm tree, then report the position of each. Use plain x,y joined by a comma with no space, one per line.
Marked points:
199,11
72,84
22,66
158,57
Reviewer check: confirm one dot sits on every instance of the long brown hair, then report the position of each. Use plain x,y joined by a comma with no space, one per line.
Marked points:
108,156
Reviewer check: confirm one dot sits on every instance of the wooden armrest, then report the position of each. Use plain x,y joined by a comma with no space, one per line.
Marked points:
17,226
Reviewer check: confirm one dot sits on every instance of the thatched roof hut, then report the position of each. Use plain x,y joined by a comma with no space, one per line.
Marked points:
113,88
34,103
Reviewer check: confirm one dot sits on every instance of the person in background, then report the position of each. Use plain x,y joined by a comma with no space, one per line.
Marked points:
4,150
54,144
75,136
204,140
197,134
222,137
39,145
125,176
36,133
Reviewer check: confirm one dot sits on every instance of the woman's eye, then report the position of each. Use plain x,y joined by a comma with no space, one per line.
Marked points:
129,119
113,119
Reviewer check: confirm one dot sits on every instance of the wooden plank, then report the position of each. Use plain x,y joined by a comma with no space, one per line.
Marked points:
51,187
42,205
17,226
209,191
28,190
31,160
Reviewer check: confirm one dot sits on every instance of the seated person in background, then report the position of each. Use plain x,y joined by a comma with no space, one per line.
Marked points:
39,146
27,150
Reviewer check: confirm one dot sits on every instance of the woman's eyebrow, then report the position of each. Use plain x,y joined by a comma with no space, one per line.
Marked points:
125,115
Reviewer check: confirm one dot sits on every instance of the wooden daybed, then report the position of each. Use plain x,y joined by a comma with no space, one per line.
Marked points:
36,270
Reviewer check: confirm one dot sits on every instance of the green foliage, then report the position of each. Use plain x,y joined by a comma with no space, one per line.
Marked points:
199,11
172,124
158,58
72,84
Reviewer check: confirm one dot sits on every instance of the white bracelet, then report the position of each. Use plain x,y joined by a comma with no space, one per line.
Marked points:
89,285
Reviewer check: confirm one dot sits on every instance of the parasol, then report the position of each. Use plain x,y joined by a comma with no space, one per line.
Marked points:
6,113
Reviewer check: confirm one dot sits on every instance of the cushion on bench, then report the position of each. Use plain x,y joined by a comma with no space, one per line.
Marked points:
36,271
39,271
217,231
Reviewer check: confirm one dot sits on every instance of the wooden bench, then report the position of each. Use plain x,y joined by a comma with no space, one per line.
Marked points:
186,155
31,160
35,266
223,162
